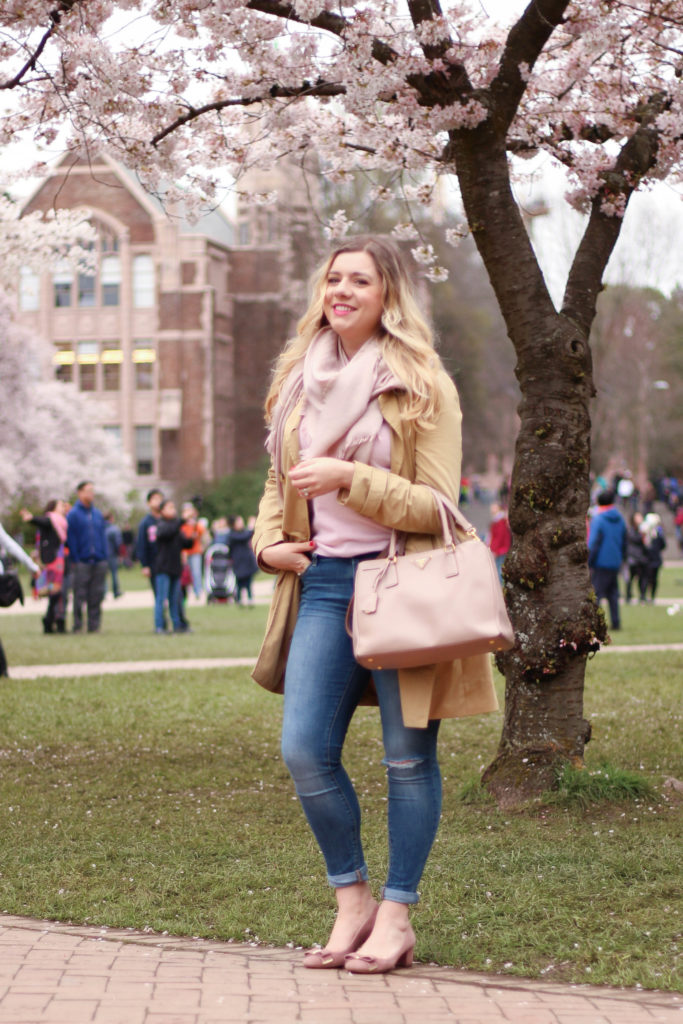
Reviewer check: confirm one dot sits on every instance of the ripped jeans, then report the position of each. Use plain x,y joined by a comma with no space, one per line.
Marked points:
323,686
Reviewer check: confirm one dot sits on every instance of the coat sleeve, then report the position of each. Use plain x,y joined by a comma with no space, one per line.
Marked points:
268,528
16,551
406,505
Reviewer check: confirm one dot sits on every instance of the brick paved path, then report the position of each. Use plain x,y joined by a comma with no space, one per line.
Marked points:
53,973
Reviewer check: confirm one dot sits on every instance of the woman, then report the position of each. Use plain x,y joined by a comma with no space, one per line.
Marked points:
655,542
362,418
51,538
636,557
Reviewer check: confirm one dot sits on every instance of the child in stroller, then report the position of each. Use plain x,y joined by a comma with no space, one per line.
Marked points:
219,577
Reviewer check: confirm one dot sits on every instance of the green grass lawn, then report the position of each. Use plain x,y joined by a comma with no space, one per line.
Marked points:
671,583
219,631
648,624
159,800
228,631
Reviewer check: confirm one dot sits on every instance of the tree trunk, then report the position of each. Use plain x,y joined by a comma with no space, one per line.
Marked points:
547,585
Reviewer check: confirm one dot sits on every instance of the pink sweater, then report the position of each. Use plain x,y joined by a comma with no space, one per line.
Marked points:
338,531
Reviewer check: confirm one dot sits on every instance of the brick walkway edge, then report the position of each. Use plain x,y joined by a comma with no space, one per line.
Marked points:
60,973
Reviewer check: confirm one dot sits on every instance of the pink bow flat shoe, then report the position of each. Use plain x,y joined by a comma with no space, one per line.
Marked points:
357,963
321,959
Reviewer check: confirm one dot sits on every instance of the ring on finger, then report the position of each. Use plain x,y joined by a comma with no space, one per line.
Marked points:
305,492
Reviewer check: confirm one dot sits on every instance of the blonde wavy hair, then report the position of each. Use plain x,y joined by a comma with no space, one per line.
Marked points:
406,338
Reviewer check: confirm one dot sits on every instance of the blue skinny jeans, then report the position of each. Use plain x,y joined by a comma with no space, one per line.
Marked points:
167,588
323,686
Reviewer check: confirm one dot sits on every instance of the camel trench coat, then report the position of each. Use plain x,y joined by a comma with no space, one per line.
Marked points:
395,499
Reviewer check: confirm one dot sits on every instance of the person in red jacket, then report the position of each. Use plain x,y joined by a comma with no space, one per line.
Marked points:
500,537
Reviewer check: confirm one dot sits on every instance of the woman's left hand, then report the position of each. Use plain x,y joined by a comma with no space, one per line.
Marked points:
313,477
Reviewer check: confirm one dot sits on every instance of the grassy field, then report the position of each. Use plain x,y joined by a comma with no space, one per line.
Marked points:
219,631
226,630
159,801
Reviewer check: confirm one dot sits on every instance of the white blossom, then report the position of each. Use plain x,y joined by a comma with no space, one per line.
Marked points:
337,226
405,231
424,254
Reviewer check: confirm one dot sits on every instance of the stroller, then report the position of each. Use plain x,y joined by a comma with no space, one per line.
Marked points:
219,579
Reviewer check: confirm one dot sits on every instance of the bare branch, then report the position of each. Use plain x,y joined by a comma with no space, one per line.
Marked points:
275,92
55,18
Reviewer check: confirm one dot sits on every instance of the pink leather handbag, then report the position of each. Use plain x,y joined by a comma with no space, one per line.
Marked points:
429,606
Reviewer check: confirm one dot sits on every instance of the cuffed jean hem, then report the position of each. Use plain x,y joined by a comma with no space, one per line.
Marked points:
349,878
399,896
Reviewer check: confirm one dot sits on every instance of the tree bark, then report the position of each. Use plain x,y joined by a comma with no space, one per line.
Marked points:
547,585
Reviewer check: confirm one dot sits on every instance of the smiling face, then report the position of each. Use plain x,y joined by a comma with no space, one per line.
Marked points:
353,301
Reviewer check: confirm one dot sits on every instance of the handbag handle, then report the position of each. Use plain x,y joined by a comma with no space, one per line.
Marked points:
447,511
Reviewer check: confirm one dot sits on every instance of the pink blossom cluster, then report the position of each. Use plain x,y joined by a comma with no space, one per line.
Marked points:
46,434
184,91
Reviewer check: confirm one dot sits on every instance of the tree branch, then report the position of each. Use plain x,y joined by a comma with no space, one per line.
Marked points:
637,157
55,18
275,92
524,45
428,10
336,24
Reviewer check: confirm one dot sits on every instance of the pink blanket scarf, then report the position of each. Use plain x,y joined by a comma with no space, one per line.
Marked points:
341,411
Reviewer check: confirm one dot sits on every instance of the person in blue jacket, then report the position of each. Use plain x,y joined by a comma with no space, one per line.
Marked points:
86,541
607,543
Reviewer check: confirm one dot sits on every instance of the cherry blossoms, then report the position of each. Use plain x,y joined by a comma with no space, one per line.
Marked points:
182,89
47,440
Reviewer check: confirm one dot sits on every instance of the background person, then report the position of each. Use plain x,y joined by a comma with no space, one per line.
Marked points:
500,537
52,529
168,568
10,546
362,418
655,542
195,530
87,545
244,563
146,544
607,553
636,557
114,539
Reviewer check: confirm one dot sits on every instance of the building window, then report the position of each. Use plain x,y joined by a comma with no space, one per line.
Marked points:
244,233
144,359
63,360
63,281
86,289
271,233
114,432
143,282
108,240
111,359
87,365
144,451
110,280
29,290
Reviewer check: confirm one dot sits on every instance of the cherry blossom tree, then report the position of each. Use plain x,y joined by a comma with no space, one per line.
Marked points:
417,89
47,440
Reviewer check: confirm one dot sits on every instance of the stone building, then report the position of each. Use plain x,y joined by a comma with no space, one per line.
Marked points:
172,338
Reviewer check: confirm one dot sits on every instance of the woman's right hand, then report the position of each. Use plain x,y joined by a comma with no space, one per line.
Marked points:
290,556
